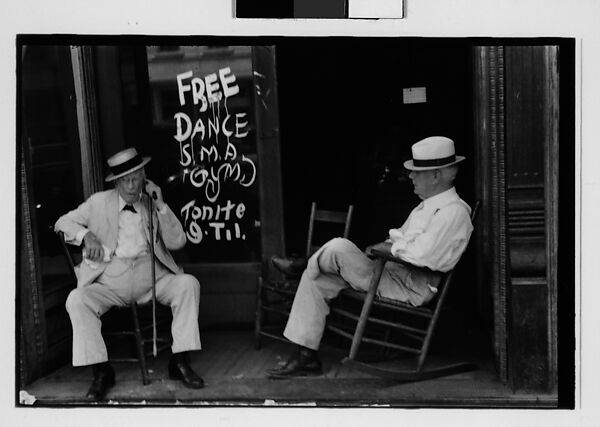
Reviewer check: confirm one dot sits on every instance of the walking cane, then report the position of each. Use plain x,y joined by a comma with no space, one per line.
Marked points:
153,260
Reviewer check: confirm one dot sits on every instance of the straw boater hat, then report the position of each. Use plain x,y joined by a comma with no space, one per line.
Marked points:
125,162
435,152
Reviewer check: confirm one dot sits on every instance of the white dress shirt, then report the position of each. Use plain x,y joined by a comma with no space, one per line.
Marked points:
131,239
435,233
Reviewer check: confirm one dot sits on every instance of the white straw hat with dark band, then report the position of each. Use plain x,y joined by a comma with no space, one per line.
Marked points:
125,162
435,152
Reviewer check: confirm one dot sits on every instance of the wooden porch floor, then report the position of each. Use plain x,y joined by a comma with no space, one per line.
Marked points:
234,373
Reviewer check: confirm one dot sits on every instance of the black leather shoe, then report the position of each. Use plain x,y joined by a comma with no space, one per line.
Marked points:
179,369
290,266
305,362
104,378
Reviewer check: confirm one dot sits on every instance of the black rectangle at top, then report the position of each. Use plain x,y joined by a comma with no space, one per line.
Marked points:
281,9
278,9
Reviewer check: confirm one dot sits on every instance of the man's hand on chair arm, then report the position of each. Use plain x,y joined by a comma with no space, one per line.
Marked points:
383,250
381,247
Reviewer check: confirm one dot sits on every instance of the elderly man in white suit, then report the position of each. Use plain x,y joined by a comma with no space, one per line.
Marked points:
434,236
116,269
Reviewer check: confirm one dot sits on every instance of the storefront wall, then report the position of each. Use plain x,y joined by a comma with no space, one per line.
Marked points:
326,155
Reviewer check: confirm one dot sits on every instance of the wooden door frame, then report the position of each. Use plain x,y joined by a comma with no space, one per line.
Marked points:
493,263
37,354
88,118
551,183
269,154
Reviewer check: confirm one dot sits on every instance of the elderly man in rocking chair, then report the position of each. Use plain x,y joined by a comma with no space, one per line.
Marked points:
435,235
116,269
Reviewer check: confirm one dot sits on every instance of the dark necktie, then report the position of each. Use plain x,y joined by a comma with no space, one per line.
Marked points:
129,208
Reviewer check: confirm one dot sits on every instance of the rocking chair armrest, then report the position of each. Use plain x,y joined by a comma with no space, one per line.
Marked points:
382,251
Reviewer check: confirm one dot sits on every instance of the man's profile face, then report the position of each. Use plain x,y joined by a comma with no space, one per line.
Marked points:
424,182
130,186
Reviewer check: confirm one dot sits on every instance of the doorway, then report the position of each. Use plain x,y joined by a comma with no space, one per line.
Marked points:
350,110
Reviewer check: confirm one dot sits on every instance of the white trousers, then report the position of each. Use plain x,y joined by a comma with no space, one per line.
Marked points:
125,280
340,264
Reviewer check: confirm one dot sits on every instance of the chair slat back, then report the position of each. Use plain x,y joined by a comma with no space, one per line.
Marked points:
326,216
330,216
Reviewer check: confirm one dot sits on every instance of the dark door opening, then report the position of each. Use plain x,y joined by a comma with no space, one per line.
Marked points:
347,124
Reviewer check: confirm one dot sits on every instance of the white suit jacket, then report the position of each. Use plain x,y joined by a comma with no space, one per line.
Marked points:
100,215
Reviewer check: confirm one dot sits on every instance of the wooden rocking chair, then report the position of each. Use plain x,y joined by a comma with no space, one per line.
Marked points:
277,296
422,334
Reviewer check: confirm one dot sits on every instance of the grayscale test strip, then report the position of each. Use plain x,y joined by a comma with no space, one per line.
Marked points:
320,9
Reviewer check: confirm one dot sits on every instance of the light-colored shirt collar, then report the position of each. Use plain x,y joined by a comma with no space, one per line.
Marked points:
440,200
137,205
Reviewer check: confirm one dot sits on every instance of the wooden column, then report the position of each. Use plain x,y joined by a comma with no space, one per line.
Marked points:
551,165
532,145
490,189
110,105
87,119
268,149
516,127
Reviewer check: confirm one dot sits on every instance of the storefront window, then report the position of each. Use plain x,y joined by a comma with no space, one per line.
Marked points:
203,145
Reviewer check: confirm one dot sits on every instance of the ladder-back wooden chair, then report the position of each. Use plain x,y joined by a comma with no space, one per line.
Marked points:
417,323
138,331
277,296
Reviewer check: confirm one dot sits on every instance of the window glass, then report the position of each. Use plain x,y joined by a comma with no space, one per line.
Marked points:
203,148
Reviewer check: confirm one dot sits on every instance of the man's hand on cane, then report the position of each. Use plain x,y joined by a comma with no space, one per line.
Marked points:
155,193
93,248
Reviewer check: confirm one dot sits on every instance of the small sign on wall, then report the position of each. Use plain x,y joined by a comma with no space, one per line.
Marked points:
414,95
